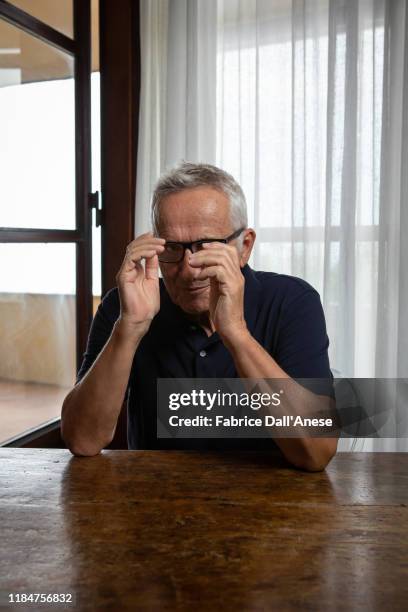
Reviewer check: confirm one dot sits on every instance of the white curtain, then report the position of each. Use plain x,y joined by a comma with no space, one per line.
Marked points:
305,102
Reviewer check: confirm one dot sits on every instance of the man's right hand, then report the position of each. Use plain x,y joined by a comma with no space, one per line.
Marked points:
91,409
139,285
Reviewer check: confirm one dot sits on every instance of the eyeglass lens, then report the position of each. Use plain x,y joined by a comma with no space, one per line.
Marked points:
175,252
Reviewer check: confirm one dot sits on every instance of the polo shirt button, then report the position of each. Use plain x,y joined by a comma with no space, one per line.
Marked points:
203,353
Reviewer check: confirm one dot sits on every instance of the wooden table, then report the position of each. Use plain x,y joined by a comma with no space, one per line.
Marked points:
129,530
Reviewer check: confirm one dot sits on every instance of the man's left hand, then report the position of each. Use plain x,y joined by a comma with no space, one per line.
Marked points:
220,263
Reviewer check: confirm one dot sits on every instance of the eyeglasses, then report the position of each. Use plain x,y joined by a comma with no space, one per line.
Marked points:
174,251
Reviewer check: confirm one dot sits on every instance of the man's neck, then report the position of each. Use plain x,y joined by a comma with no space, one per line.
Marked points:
204,321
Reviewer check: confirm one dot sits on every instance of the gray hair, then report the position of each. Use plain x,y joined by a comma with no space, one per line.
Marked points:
188,175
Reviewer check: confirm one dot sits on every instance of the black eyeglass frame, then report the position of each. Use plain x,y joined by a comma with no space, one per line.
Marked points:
192,245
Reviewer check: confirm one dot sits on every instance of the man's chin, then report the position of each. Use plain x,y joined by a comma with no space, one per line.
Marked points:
194,304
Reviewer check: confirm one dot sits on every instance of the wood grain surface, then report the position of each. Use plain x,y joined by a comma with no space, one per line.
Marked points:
155,530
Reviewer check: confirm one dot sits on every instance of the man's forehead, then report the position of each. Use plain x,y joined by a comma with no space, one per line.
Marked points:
195,211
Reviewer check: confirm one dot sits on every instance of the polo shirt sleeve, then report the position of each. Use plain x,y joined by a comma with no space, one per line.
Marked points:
101,329
302,347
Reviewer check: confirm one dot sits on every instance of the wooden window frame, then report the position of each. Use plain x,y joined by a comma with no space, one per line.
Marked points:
119,53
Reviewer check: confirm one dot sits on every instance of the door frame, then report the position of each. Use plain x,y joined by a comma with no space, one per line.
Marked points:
119,26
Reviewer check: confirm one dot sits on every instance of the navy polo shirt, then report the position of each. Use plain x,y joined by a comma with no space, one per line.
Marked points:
283,313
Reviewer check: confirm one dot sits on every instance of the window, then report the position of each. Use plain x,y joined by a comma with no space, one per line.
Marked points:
45,235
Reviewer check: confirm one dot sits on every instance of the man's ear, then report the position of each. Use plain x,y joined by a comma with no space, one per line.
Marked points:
248,241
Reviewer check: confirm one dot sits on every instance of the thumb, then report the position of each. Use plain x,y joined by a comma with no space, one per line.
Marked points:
152,268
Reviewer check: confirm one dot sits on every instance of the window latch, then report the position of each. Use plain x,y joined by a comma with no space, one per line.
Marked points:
93,201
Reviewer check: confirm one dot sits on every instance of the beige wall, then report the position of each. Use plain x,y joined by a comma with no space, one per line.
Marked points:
37,338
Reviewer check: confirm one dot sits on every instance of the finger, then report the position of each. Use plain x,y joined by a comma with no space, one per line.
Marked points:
152,267
215,244
148,240
135,251
208,246
131,262
214,272
210,258
218,248
229,249
219,245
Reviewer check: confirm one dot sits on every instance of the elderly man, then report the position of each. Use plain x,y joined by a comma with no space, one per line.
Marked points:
210,315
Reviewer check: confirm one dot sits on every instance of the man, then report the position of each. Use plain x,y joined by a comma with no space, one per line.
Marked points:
210,316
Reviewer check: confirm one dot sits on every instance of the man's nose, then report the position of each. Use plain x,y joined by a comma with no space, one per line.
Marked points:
187,271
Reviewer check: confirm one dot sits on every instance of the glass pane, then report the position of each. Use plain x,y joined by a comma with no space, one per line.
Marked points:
37,133
37,332
58,15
